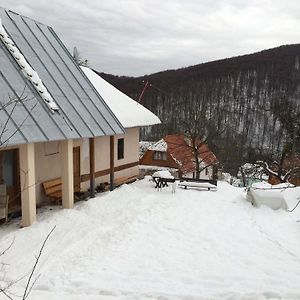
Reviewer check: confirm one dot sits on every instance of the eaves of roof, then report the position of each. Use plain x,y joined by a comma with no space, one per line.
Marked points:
82,111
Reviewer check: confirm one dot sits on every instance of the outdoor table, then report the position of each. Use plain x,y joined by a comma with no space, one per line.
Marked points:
161,179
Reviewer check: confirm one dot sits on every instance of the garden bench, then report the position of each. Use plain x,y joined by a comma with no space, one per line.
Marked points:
53,188
201,185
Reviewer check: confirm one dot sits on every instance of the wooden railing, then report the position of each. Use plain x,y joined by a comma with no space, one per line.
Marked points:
86,177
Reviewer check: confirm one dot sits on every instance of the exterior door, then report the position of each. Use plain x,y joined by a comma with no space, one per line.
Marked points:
76,168
10,175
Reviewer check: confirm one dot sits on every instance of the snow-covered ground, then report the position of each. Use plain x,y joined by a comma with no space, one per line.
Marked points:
138,243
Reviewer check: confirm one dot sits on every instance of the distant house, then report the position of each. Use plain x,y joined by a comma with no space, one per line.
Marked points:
55,125
290,163
174,151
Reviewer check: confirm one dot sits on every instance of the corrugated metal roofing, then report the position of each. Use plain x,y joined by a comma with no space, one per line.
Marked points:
82,111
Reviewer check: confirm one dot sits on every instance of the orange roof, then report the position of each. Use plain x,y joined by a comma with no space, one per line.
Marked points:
181,151
290,161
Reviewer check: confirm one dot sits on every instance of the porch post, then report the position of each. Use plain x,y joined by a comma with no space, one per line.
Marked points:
1,167
112,162
92,167
28,182
67,175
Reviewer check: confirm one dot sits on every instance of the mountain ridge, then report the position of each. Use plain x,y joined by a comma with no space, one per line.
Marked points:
250,98
208,63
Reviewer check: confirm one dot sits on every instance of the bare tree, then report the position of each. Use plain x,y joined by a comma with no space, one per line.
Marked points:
282,170
200,133
7,290
9,108
285,166
200,153
7,111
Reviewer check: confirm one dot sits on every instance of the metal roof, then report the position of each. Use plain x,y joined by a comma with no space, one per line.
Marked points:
82,111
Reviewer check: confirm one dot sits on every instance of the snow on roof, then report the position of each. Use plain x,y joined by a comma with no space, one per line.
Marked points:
182,153
161,146
27,69
129,112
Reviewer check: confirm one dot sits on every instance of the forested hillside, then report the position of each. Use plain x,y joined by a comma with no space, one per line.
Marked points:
247,105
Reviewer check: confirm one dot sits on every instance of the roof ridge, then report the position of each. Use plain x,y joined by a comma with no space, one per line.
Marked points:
23,16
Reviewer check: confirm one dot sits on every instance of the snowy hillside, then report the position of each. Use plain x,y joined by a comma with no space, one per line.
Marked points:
255,95
137,243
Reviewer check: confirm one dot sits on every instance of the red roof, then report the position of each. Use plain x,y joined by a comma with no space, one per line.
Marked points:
179,148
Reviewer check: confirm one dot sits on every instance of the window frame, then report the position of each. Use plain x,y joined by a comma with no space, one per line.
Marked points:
121,148
160,155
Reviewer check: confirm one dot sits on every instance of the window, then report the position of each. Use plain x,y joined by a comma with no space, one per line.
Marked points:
8,167
120,148
159,155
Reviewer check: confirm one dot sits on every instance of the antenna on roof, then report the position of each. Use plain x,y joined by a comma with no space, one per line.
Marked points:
143,91
76,55
147,85
77,58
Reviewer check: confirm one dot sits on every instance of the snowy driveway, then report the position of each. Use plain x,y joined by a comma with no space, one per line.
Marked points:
137,243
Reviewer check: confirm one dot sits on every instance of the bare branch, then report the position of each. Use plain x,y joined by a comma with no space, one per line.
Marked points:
18,127
6,249
28,287
32,285
5,293
13,102
9,117
30,282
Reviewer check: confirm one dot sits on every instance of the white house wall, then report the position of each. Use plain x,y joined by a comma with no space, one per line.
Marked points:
131,152
205,174
102,156
48,159
47,165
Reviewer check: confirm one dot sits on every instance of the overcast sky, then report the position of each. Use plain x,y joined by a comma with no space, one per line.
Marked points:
137,37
